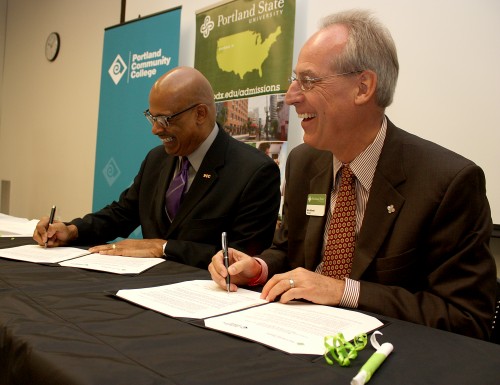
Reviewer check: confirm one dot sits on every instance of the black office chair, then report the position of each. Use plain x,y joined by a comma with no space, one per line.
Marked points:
495,327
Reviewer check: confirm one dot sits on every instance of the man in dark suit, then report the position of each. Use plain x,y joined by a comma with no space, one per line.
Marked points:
421,221
229,186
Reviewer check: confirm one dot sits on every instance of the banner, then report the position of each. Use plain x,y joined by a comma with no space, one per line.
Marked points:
135,55
245,49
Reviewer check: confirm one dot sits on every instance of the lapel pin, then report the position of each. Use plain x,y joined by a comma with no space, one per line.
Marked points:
207,176
391,209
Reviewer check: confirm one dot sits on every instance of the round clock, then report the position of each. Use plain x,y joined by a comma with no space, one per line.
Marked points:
52,46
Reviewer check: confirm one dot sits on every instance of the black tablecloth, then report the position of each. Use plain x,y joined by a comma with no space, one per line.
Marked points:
61,325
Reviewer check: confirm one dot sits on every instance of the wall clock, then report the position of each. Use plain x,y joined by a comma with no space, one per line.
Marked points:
52,46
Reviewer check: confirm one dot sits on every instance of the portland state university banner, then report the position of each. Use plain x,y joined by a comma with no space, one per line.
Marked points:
135,55
245,47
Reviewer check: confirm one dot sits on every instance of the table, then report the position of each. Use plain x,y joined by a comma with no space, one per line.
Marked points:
61,325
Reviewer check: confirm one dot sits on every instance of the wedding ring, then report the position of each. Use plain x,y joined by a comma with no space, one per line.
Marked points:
292,283
114,246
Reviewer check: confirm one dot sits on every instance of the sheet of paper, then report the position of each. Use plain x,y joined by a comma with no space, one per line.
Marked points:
296,327
113,263
16,227
39,254
192,299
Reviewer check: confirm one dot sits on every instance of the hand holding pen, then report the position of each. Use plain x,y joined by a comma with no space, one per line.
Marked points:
226,260
51,220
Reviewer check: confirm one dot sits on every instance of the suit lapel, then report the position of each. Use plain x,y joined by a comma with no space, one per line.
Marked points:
205,177
321,183
384,203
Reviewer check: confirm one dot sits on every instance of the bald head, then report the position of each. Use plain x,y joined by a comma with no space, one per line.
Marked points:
183,86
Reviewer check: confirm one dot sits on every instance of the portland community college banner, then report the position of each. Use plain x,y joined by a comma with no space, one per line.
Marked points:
135,55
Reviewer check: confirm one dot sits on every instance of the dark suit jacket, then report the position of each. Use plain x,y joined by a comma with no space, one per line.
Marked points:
428,262
236,189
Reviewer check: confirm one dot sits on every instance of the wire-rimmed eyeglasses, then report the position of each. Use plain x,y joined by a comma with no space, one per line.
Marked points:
306,83
163,120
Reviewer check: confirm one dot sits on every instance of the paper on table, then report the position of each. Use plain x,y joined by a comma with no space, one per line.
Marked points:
38,254
296,327
16,227
192,299
113,263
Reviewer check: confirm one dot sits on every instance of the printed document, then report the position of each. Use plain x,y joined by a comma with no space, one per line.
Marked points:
192,299
40,254
16,227
113,263
80,258
296,327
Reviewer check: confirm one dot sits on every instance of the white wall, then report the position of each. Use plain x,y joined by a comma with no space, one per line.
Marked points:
48,120
448,90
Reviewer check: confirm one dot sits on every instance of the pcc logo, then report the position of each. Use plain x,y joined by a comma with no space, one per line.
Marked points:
117,69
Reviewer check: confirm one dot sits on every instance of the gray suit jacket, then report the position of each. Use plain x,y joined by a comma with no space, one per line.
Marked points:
427,262
236,190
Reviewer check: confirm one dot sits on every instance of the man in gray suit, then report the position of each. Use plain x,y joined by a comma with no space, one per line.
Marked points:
421,222
229,187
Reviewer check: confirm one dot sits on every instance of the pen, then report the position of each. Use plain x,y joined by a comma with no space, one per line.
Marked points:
51,220
370,366
226,259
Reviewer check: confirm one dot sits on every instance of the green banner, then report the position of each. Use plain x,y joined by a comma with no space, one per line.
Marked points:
245,48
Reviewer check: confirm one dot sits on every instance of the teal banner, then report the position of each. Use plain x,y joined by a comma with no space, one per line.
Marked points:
135,55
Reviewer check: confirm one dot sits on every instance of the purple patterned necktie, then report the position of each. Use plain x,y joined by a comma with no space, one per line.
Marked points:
176,189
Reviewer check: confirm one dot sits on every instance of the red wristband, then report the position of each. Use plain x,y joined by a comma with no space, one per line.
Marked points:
262,277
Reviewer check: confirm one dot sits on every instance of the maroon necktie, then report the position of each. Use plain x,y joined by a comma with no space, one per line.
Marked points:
176,189
339,250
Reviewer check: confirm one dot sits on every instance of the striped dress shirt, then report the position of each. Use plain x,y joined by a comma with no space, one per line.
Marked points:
363,167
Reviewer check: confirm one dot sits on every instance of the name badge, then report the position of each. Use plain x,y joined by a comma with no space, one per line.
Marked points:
316,204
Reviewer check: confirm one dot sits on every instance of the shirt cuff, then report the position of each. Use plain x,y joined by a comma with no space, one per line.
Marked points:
164,246
350,297
262,278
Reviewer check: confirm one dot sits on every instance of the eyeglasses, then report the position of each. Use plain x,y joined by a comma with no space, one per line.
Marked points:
163,120
306,83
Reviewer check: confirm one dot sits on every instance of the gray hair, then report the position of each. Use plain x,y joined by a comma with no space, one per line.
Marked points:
369,47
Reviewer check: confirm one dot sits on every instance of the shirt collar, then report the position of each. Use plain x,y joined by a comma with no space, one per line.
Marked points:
196,157
364,165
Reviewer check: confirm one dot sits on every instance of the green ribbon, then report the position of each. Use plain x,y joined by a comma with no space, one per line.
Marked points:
342,351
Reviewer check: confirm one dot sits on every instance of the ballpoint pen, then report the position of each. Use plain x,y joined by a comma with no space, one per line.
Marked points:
226,260
51,220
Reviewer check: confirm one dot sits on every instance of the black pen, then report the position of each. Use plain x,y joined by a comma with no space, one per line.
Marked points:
226,259
51,220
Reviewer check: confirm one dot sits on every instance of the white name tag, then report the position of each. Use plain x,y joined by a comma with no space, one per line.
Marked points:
316,204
